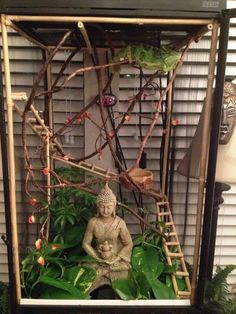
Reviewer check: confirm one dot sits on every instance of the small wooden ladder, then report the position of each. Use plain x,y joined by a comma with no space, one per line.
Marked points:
35,122
92,168
172,248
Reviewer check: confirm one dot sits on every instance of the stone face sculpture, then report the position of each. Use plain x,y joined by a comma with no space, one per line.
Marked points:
113,243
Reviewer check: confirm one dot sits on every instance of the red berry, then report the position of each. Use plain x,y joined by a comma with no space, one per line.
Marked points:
31,219
33,201
45,171
175,122
127,118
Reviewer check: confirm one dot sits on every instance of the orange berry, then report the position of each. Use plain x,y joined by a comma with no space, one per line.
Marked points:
175,122
68,119
55,246
66,157
41,261
33,201
45,171
38,244
86,114
127,118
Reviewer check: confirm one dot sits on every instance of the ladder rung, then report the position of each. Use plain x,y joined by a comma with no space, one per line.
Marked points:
182,273
186,293
38,127
170,254
19,96
164,213
170,223
171,243
170,234
32,120
162,203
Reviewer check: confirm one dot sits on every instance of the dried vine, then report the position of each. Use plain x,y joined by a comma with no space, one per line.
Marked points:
104,132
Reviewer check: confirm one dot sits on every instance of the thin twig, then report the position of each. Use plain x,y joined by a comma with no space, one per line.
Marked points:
33,92
78,71
158,104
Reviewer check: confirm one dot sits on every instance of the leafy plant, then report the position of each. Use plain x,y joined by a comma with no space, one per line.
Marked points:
47,269
4,299
48,273
69,208
150,276
72,174
55,269
216,297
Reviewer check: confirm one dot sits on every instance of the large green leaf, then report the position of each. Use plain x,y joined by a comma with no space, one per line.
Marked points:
126,288
143,285
55,293
147,261
81,277
161,291
74,235
53,271
74,255
63,286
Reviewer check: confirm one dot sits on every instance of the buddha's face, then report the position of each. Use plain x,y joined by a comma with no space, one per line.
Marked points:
106,209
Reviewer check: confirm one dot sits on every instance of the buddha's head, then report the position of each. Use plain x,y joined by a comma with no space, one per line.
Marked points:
228,118
106,202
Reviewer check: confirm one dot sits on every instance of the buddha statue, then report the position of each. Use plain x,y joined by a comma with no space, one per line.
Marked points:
113,243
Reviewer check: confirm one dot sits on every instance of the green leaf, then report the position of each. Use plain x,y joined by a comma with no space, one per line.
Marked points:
55,293
43,218
57,222
63,222
170,269
74,235
86,258
81,277
138,240
74,254
27,263
181,283
147,260
58,261
71,219
62,285
53,271
160,269
168,281
143,285
161,291
125,288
